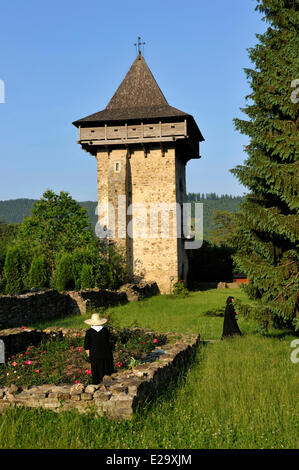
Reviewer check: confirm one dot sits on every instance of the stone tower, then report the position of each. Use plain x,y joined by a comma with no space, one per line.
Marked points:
142,146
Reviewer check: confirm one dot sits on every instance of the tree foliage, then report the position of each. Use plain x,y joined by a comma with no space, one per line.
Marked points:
224,233
58,223
268,220
13,270
39,272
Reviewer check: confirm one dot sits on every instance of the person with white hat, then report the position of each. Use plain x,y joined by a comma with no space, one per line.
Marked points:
97,344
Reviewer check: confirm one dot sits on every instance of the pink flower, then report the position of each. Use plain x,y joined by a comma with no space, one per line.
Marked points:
28,362
76,381
14,363
28,349
80,349
24,327
155,340
88,371
37,370
72,347
119,364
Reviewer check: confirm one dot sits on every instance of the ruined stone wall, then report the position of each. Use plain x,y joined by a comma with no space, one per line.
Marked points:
19,310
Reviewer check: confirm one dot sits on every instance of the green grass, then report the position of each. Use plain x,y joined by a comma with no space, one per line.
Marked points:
238,393
167,313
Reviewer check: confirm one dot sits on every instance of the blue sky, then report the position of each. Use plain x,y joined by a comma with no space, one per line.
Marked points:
63,60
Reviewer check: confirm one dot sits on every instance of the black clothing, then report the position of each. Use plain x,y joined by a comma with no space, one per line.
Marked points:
230,325
100,353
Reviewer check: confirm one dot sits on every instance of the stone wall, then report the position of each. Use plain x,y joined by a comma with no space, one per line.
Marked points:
85,300
136,292
145,177
20,310
17,340
118,395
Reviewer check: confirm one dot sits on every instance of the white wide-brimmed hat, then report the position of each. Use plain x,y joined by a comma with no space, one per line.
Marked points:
95,320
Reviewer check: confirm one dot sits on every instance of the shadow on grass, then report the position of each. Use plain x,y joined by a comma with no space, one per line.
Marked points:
169,392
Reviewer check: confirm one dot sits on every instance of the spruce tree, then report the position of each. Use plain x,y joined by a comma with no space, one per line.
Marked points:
268,220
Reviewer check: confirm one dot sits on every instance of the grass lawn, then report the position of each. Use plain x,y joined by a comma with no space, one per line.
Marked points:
238,393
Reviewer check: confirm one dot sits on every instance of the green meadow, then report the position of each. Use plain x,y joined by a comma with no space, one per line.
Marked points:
238,393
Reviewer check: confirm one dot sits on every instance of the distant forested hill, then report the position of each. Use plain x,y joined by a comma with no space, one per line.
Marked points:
14,210
211,202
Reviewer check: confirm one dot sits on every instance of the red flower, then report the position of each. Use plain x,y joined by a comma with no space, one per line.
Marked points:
26,352
155,340
119,364
37,370
88,371
28,349
79,349
28,362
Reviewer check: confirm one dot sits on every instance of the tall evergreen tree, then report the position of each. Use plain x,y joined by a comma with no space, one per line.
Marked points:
268,220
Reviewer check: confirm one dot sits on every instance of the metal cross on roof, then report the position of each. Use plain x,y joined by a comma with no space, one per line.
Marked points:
139,44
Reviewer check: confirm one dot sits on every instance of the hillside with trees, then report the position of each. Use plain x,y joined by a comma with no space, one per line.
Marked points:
14,210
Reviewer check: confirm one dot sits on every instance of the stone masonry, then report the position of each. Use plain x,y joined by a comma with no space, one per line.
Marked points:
118,395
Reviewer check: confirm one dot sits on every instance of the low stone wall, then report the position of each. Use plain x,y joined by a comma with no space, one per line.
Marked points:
17,340
34,306
19,310
118,395
136,292
85,300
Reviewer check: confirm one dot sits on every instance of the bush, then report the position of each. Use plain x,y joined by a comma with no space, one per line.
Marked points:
179,289
39,272
87,277
13,269
65,279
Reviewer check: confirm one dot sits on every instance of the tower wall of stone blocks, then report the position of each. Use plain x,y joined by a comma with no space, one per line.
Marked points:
153,184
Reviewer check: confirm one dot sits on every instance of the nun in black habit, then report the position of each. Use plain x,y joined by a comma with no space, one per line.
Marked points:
98,348
230,325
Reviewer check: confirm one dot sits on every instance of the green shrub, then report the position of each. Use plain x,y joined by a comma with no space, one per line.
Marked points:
13,269
39,272
65,279
179,289
87,277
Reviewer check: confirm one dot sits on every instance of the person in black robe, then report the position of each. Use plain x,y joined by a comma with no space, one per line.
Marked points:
230,325
97,344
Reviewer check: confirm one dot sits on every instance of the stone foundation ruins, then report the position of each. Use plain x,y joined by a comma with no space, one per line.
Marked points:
118,396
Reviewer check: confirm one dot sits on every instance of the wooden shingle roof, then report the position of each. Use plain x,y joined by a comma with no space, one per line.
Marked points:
138,97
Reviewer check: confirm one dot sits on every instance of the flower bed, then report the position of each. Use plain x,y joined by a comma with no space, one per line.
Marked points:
61,359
